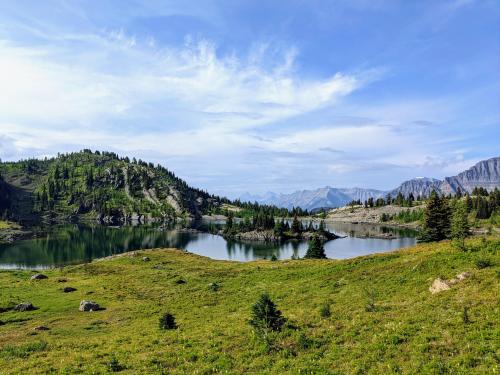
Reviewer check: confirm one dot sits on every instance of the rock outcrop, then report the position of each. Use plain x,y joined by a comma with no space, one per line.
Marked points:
89,306
440,285
39,276
25,306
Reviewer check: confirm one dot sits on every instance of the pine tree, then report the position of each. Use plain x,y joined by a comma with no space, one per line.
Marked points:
459,225
316,249
436,219
265,316
296,225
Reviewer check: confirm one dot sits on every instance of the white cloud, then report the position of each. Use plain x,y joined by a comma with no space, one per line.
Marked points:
42,84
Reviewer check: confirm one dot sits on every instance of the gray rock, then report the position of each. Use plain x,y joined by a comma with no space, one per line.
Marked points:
41,328
69,289
39,276
25,306
145,259
89,306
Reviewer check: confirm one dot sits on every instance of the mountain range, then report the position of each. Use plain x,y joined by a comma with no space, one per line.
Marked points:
484,174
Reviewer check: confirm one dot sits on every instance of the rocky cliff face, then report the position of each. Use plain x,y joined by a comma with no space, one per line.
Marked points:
417,186
484,174
362,194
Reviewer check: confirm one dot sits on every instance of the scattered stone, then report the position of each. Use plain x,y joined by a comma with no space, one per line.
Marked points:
25,306
463,276
41,328
39,276
180,281
89,306
145,259
440,285
69,289
61,280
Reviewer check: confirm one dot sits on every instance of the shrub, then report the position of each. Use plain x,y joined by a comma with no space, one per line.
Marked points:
167,321
370,303
214,287
324,311
265,316
114,365
483,263
274,258
465,315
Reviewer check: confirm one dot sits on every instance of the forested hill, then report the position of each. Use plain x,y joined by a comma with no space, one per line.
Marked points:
98,185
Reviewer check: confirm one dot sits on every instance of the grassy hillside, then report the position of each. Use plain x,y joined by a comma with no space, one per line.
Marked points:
383,317
96,184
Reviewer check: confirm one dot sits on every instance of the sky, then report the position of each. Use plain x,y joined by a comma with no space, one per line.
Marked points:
256,96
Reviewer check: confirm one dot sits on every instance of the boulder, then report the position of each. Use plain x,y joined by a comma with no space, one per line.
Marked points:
89,306
463,276
39,276
69,289
25,306
41,328
439,285
145,259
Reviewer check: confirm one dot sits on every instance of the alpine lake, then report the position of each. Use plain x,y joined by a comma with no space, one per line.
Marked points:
81,243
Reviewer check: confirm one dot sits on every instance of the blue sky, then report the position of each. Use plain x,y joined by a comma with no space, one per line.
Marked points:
238,96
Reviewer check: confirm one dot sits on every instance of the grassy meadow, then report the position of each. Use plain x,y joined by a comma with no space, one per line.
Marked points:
368,315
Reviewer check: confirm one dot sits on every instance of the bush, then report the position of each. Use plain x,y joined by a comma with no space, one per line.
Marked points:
265,316
483,263
214,287
324,311
167,321
465,315
370,303
114,365
274,258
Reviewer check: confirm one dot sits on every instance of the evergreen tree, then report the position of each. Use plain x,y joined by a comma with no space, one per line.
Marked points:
316,249
296,225
459,225
265,316
483,209
167,321
436,219
468,203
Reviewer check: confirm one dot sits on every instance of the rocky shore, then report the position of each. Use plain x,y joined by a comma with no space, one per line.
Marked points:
271,236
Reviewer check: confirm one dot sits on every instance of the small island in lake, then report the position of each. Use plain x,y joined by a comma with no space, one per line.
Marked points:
264,227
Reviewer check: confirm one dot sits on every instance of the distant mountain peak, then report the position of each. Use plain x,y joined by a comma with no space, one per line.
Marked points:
485,174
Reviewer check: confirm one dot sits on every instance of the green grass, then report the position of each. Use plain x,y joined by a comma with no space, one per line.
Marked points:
382,318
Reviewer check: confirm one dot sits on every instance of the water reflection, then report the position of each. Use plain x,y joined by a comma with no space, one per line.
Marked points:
71,244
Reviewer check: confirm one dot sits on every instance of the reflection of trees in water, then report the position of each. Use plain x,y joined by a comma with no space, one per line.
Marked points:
81,243
261,250
76,243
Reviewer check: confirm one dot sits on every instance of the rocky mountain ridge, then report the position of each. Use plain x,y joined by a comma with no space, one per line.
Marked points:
484,174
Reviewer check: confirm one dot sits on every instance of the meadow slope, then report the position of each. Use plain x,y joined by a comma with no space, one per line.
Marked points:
383,317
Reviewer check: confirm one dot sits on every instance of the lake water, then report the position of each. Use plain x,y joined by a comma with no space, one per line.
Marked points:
73,244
